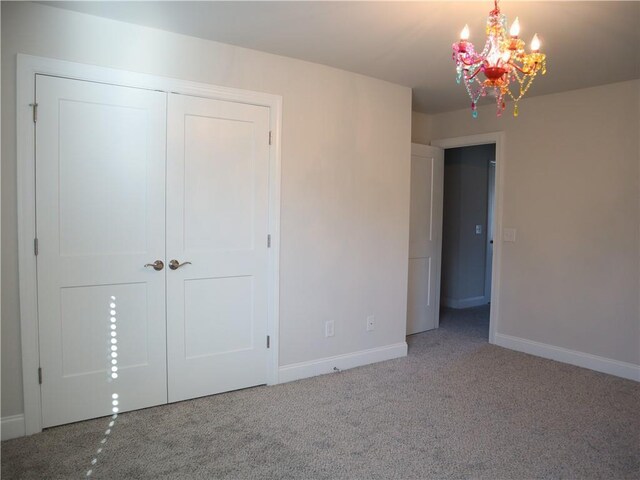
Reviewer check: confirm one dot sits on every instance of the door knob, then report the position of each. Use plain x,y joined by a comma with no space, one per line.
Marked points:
157,265
175,264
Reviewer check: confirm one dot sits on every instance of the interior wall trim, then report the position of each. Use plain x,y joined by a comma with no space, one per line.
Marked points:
572,357
12,427
297,371
464,302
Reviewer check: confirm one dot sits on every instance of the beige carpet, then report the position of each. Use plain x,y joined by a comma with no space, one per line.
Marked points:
456,407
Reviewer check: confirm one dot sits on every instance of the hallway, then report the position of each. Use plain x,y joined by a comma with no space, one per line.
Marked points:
473,322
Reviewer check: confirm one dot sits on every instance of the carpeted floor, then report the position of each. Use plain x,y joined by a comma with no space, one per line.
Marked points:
456,407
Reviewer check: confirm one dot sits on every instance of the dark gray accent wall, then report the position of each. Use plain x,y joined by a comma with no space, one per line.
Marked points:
466,180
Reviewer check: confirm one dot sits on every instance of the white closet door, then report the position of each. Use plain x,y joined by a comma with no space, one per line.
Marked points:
425,238
217,218
100,182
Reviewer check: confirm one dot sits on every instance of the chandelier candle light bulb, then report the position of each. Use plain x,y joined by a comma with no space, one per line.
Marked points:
464,34
507,69
535,43
514,31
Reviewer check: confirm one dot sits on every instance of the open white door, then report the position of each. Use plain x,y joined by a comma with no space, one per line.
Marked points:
425,238
217,219
491,206
100,174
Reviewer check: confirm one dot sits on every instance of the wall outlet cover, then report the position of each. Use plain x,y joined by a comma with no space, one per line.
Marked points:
509,234
371,323
329,330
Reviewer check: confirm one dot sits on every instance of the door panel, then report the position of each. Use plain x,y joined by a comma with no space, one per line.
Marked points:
425,238
219,192
77,304
217,211
228,300
102,179
100,174
419,301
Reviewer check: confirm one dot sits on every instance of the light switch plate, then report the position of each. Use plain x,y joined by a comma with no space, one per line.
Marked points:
509,234
478,229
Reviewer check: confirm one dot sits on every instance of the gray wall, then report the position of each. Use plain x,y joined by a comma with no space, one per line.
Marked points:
466,180
571,188
346,142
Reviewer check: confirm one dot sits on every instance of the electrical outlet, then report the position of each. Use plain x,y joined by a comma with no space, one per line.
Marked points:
478,229
371,323
328,329
509,234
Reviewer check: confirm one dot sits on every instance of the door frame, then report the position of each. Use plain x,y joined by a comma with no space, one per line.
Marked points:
497,138
27,68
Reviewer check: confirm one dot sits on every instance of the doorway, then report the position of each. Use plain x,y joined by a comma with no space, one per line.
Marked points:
488,297
467,234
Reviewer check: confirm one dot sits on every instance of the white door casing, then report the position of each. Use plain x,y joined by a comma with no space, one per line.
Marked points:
100,202
217,219
425,238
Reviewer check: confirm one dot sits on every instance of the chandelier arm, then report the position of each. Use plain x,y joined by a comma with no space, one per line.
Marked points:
474,75
479,60
526,72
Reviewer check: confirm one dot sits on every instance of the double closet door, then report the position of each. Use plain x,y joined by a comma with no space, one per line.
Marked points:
152,217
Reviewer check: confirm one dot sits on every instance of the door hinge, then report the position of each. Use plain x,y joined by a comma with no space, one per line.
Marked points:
35,247
34,106
269,137
268,341
39,375
268,241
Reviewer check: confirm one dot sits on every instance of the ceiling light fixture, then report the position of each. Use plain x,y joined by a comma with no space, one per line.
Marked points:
503,62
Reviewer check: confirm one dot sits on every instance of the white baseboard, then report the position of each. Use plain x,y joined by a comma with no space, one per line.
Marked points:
464,302
12,427
573,357
296,371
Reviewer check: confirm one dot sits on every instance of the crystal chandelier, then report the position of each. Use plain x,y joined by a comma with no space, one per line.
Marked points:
506,68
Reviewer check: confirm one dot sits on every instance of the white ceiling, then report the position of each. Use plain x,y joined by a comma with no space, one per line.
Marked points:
587,43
